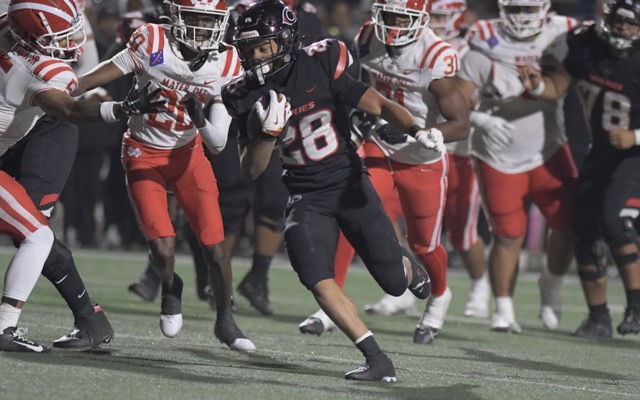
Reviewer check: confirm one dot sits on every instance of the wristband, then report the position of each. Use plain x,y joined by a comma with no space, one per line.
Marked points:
637,135
537,91
106,111
413,129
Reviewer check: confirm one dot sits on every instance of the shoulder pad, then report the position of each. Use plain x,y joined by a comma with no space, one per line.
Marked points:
331,51
56,73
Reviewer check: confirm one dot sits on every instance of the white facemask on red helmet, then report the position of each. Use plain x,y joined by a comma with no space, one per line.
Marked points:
415,13
523,18
53,28
199,24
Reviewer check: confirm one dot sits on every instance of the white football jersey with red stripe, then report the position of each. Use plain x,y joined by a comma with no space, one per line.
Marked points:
405,78
539,124
154,55
22,76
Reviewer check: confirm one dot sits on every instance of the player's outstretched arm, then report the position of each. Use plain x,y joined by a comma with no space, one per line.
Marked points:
101,75
549,87
374,103
59,104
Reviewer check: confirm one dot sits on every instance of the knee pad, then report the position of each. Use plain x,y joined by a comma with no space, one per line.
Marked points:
234,207
619,232
309,277
598,254
58,261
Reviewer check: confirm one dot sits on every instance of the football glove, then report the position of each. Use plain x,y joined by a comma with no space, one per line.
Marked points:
360,126
195,111
390,135
497,131
431,139
275,116
139,101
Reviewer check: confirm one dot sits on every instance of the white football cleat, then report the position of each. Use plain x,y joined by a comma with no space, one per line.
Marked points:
392,305
478,303
502,323
317,324
170,325
242,344
550,299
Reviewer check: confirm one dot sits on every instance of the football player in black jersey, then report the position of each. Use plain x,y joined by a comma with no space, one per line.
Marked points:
603,61
328,186
267,195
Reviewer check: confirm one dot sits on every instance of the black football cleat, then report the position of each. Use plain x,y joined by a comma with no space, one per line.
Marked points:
14,340
147,286
378,368
143,291
256,291
592,328
631,322
425,335
88,332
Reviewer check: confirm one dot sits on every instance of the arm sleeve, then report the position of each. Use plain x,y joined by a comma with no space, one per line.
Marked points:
214,133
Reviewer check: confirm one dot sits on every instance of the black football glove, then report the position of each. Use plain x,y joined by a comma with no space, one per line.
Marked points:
360,126
195,111
390,135
139,101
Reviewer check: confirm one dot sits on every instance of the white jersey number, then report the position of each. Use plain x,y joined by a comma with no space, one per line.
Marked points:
319,139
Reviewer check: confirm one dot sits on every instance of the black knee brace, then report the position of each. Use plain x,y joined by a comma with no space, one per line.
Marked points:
620,232
55,267
597,255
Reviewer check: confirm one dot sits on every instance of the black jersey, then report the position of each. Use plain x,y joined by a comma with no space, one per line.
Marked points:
608,87
316,150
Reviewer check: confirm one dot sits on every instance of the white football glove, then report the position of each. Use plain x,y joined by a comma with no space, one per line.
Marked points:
498,131
275,116
431,139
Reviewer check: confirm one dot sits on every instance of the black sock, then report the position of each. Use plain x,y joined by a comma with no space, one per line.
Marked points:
260,266
61,270
633,299
600,312
369,347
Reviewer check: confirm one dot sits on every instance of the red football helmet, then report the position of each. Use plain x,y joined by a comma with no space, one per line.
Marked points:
452,17
53,28
400,22
199,24
523,18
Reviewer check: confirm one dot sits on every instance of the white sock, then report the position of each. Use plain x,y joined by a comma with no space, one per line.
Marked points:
363,337
25,267
504,307
479,281
554,281
9,316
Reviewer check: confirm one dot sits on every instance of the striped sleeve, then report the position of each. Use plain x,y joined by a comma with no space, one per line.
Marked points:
52,74
442,59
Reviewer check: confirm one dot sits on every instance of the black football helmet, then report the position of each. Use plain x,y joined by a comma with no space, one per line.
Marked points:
615,11
267,20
